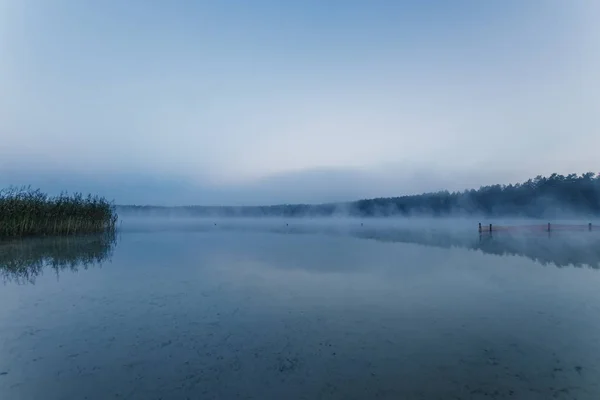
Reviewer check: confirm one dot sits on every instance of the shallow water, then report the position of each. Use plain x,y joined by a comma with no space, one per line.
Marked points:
294,312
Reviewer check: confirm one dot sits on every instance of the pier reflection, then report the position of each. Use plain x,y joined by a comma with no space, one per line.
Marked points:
561,249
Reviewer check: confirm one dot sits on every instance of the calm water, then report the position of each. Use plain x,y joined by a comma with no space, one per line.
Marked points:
292,312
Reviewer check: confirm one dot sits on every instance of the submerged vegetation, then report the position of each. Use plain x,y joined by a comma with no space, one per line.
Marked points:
28,212
551,196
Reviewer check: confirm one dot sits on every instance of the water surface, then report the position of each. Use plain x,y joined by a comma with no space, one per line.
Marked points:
276,311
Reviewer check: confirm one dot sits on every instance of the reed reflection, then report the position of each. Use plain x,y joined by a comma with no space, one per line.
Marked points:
22,261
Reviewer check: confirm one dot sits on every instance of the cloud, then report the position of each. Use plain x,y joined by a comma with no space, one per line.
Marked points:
269,102
310,186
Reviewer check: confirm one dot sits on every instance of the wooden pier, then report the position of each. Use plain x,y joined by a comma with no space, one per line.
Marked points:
549,227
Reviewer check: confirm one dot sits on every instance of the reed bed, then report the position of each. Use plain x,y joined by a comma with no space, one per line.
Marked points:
28,212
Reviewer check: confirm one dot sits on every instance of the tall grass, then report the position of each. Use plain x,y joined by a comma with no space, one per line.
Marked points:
28,212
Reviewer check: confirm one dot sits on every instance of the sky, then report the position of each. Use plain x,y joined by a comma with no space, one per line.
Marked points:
234,102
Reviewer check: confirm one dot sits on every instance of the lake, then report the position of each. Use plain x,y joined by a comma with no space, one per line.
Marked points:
300,310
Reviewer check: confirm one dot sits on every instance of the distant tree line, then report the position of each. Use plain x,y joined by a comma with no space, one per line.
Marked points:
555,195
542,196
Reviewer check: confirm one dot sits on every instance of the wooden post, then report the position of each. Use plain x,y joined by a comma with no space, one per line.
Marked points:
490,228
480,227
590,227
548,226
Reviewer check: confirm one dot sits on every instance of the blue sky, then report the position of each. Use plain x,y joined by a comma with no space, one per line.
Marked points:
233,102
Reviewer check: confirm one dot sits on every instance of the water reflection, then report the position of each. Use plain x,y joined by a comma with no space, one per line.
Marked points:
238,315
561,249
21,261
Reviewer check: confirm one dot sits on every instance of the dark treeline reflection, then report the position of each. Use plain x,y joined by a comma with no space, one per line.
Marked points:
21,261
561,249
558,248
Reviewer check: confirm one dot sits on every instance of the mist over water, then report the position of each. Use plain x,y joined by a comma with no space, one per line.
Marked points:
256,259
570,243
322,308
